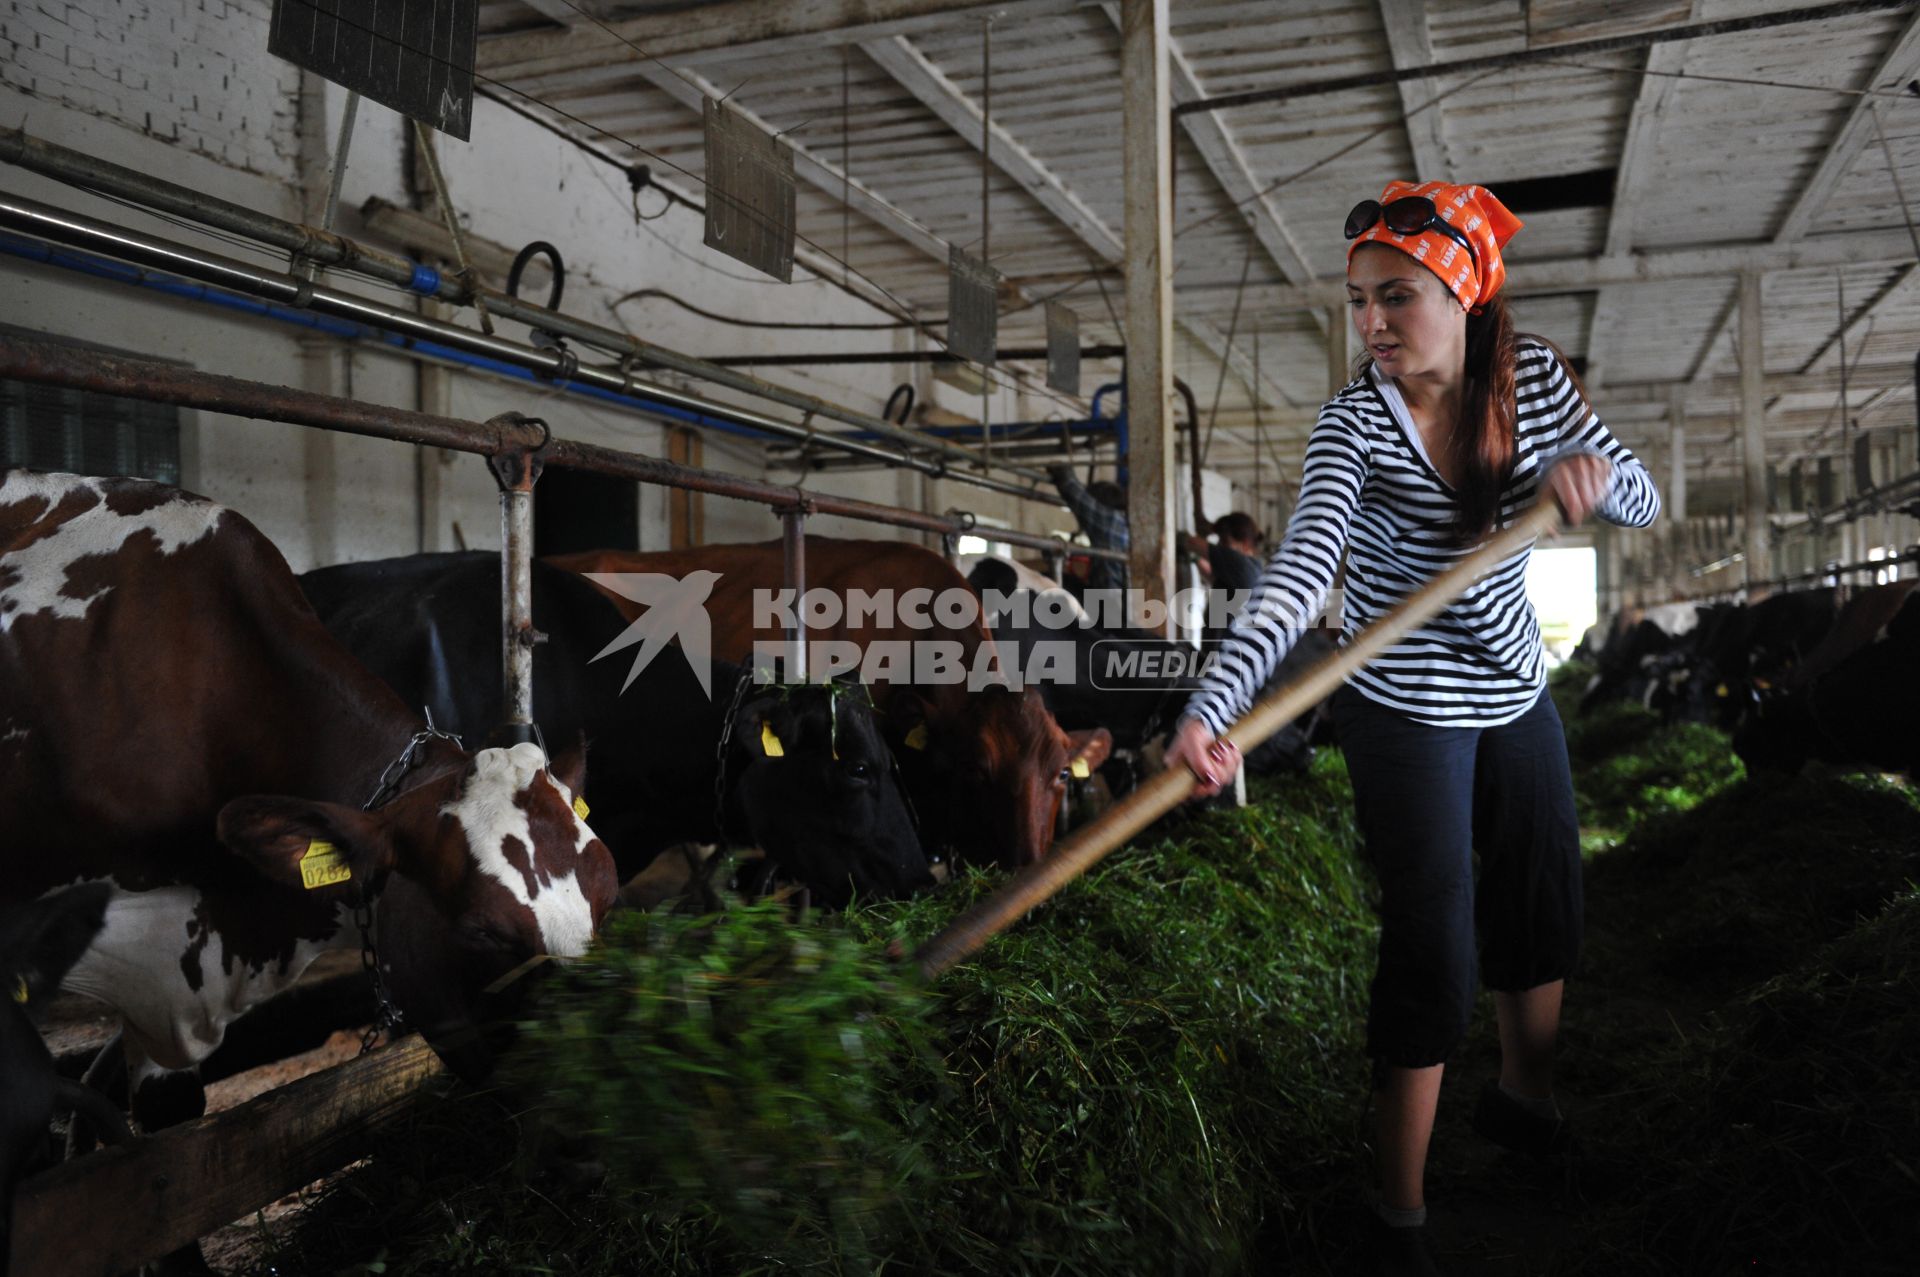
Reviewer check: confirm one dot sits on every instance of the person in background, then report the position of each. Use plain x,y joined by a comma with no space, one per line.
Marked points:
1454,426
1101,508
1233,558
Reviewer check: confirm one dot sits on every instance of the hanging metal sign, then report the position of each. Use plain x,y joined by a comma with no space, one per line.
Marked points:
1863,464
973,307
1063,349
416,58
1797,487
750,193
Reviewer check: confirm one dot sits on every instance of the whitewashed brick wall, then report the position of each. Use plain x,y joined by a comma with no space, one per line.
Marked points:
193,73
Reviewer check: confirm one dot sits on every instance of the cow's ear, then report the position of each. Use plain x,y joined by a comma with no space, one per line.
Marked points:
40,942
1088,750
320,847
569,766
907,714
766,727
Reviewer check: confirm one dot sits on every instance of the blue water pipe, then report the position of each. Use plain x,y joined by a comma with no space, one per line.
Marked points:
85,263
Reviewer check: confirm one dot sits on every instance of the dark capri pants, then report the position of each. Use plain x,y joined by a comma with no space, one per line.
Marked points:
1427,798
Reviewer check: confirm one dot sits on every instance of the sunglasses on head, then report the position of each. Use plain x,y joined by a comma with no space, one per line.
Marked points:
1408,215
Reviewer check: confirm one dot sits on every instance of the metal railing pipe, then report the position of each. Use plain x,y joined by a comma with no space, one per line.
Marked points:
54,363
328,248
81,231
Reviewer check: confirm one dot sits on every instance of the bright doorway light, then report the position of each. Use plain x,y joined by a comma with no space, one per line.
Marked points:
1564,587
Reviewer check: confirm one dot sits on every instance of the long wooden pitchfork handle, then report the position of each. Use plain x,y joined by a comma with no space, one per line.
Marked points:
1161,793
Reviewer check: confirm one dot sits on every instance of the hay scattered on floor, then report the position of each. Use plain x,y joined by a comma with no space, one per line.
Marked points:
1787,1140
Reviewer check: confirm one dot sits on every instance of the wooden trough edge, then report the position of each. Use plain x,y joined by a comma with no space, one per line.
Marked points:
109,1212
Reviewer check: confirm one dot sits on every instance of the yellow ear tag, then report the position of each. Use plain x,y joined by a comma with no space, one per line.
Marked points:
20,989
580,808
1080,769
917,738
771,743
323,865
1720,690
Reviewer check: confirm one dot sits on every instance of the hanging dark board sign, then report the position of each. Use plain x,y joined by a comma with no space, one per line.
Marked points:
415,56
1797,487
750,193
973,308
1825,497
1862,464
1063,349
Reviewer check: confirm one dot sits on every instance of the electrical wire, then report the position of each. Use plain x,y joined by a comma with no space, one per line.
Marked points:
641,294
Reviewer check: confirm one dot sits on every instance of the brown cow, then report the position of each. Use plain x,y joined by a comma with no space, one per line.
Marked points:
986,768
175,721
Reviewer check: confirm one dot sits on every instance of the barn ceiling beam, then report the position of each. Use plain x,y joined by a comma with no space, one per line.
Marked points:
559,12
928,84
1553,52
1411,45
1575,274
1658,87
932,88
1856,328
691,89
1902,63
745,28
1221,152
1824,381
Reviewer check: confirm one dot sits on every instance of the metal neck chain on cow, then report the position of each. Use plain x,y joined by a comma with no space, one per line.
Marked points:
720,754
386,1016
397,769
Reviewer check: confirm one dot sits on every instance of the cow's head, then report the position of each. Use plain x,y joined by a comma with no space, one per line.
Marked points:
477,870
1001,764
812,784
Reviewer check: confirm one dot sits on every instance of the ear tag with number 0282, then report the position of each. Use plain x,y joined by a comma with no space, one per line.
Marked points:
323,865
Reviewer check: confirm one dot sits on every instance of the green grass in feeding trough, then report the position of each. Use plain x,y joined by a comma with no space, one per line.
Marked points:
1154,1068
744,1064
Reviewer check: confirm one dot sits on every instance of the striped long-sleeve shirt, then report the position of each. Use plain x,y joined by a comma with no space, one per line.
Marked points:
1368,490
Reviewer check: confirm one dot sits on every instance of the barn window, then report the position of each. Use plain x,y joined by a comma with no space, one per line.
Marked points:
85,432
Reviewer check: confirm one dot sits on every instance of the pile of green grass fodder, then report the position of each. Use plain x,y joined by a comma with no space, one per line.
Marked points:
1749,881
1788,1139
1629,765
1153,1069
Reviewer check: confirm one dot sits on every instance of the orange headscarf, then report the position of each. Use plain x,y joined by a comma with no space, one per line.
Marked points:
1472,278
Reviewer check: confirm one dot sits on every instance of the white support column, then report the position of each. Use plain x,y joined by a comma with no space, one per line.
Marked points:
1753,416
1339,353
1146,133
1676,494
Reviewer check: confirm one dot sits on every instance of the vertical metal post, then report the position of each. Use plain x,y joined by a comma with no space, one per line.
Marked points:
1057,564
793,536
1753,414
1677,486
516,472
516,602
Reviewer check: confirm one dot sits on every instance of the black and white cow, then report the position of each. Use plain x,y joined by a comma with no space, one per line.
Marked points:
800,772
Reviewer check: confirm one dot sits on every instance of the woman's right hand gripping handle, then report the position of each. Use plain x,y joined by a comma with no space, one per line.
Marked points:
1213,762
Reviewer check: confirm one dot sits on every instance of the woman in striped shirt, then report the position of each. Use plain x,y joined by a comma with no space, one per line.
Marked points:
1453,427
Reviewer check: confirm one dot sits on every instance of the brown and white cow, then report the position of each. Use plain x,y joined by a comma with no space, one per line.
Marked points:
987,773
175,721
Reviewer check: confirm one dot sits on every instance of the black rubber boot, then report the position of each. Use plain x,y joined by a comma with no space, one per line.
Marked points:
1500,1118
